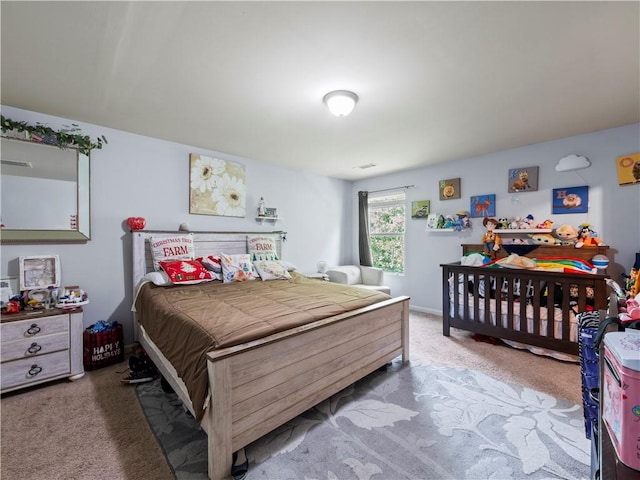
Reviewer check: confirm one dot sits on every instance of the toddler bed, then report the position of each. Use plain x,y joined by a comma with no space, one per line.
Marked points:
247,357
526,308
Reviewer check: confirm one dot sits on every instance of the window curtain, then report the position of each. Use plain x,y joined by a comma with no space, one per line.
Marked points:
363,223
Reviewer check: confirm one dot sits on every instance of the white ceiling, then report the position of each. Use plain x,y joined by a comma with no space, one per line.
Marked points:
437,81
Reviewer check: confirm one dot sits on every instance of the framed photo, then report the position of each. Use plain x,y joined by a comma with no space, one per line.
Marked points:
39,272
570,200
523,179
8,288
216,187
483,206
271,212
628,169
420,209
449,189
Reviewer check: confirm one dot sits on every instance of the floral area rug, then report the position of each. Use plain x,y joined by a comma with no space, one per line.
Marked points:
408,422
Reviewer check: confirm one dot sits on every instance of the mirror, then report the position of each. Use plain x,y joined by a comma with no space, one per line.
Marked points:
45,193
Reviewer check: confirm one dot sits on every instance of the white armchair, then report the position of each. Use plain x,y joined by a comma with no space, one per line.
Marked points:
359,276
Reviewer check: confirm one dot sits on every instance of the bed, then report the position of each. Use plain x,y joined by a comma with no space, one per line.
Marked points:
525,308
255,384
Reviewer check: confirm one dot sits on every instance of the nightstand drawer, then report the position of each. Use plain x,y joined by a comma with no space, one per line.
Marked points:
33,347
33,328
34,370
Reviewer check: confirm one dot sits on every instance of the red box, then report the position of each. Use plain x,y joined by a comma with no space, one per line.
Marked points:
621,395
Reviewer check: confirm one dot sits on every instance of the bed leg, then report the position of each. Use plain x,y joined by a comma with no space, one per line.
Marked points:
219,419
405,332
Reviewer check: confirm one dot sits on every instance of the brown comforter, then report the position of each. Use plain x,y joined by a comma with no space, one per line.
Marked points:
186,322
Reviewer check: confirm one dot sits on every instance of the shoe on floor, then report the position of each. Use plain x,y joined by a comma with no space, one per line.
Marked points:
139,376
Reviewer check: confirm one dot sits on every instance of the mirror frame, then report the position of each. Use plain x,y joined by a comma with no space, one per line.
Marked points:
82,234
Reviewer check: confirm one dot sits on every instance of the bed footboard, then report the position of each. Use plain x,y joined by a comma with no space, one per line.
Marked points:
258,386
528,306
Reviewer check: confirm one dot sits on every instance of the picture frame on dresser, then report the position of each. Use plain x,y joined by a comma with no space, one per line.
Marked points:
39,271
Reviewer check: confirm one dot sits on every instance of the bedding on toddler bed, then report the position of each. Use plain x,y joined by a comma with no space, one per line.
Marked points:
186,322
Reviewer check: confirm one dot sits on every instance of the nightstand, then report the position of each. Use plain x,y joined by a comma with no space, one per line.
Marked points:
40,346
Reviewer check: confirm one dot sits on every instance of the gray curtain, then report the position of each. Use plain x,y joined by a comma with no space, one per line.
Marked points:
363,223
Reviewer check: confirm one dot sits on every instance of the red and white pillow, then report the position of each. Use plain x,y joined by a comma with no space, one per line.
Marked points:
171,247
186,272
213,263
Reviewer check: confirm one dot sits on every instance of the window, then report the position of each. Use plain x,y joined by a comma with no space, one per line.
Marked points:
386,231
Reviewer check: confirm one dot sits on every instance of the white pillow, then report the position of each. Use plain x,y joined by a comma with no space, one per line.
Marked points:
161,279
271,270
262,248
288,265
237,268
171,247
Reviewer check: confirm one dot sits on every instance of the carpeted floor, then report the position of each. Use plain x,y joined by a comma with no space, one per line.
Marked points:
94,428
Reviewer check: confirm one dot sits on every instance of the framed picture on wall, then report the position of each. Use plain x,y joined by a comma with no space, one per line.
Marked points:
39,272
216,187
420,209
483,206
523,179
449,189
628,169
570,200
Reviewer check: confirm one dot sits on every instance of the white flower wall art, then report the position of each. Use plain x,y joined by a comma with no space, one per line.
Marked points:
216,187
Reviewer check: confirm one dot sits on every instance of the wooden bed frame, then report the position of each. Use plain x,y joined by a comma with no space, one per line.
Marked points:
464,307
257,386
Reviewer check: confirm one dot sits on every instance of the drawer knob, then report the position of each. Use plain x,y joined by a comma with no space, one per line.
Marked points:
33,329
34,370
34,348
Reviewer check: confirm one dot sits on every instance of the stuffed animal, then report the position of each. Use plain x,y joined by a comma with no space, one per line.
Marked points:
567,234
490,240
543,238
585,238
504,223
528,222
515,223
546,225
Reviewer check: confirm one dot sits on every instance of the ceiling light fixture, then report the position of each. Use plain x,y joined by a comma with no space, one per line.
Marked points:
340,102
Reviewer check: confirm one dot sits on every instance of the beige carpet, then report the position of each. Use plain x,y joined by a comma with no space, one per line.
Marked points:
94,428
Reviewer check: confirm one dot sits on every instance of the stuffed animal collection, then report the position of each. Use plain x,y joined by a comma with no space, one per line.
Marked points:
565,234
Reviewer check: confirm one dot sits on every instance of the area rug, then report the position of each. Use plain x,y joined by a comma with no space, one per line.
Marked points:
408,422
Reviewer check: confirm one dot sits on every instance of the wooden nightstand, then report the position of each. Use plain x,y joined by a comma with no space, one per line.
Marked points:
39,347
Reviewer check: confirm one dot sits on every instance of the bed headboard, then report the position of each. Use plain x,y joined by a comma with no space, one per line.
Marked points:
205,243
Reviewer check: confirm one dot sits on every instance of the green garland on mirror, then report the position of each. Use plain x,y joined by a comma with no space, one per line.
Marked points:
67,137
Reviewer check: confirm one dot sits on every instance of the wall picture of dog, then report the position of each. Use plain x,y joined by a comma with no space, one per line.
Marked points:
523,179
570,200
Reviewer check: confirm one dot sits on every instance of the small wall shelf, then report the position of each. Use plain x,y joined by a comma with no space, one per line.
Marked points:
268,219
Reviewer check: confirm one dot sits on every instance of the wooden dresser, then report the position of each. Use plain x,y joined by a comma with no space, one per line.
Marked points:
40,347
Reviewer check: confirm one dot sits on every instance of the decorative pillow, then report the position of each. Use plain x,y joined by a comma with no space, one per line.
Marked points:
271,270
186,272
237,268
213,263
262,248
166,248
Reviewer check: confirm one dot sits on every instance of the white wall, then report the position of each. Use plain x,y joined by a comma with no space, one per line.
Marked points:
140,176
614,210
